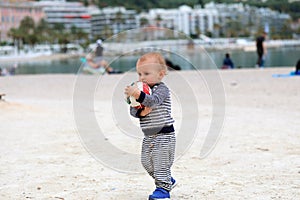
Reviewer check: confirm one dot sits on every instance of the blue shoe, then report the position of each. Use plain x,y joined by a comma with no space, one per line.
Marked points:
160,194
174,182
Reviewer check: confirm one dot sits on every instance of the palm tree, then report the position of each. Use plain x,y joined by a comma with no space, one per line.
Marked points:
27,26
144,21
17,36
217,28
61,36
43,31
201,3
158,19
119,21
107,32
78,34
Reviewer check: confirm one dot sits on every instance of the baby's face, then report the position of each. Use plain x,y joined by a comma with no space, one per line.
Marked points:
149,72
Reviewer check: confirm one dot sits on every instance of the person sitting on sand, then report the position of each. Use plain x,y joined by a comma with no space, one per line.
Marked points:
97,62
102,64
227,62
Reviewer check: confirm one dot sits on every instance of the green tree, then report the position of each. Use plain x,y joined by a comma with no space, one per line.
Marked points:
17,36
119,20
86,3
43,31
27,26
201,3
217,28
77,34
107,32
158,20
61,36
286,31
144,22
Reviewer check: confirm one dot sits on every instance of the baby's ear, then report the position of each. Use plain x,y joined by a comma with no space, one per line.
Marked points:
165,72
162,73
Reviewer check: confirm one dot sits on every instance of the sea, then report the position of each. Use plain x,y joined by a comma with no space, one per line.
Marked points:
186,60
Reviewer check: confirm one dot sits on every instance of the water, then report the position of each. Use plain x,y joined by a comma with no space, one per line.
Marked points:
191,59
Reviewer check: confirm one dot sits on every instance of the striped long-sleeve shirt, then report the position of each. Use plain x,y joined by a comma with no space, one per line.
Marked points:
159,120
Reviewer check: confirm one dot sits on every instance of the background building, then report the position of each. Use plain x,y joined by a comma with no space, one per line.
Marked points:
219,20
109,21
214,20
12,13
67,13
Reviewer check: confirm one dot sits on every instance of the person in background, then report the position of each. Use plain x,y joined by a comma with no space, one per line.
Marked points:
99,53
227,62
99,49
297,71
96,61
4,72
261,50
171,65
101,65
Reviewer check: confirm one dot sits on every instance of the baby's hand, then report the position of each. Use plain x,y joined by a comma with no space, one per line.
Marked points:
145,111
132,90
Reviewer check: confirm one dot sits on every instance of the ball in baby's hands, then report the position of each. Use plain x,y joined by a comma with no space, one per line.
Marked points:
142,87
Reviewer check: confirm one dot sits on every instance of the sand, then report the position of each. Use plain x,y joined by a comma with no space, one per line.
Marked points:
257,155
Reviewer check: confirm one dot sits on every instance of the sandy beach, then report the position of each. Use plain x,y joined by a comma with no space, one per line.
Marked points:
257,155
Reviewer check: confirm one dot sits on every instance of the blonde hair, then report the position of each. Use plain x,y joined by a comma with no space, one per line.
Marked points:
155,58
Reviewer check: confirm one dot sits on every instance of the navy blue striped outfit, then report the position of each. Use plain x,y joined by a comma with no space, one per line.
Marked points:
158,148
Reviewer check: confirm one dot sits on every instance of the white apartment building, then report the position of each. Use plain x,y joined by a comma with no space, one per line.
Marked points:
204,20
175,19
67,13
247,16
113,20
184,19
217,19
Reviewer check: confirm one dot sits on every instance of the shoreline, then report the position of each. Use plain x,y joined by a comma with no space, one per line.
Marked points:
56,56
287,69
117,49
